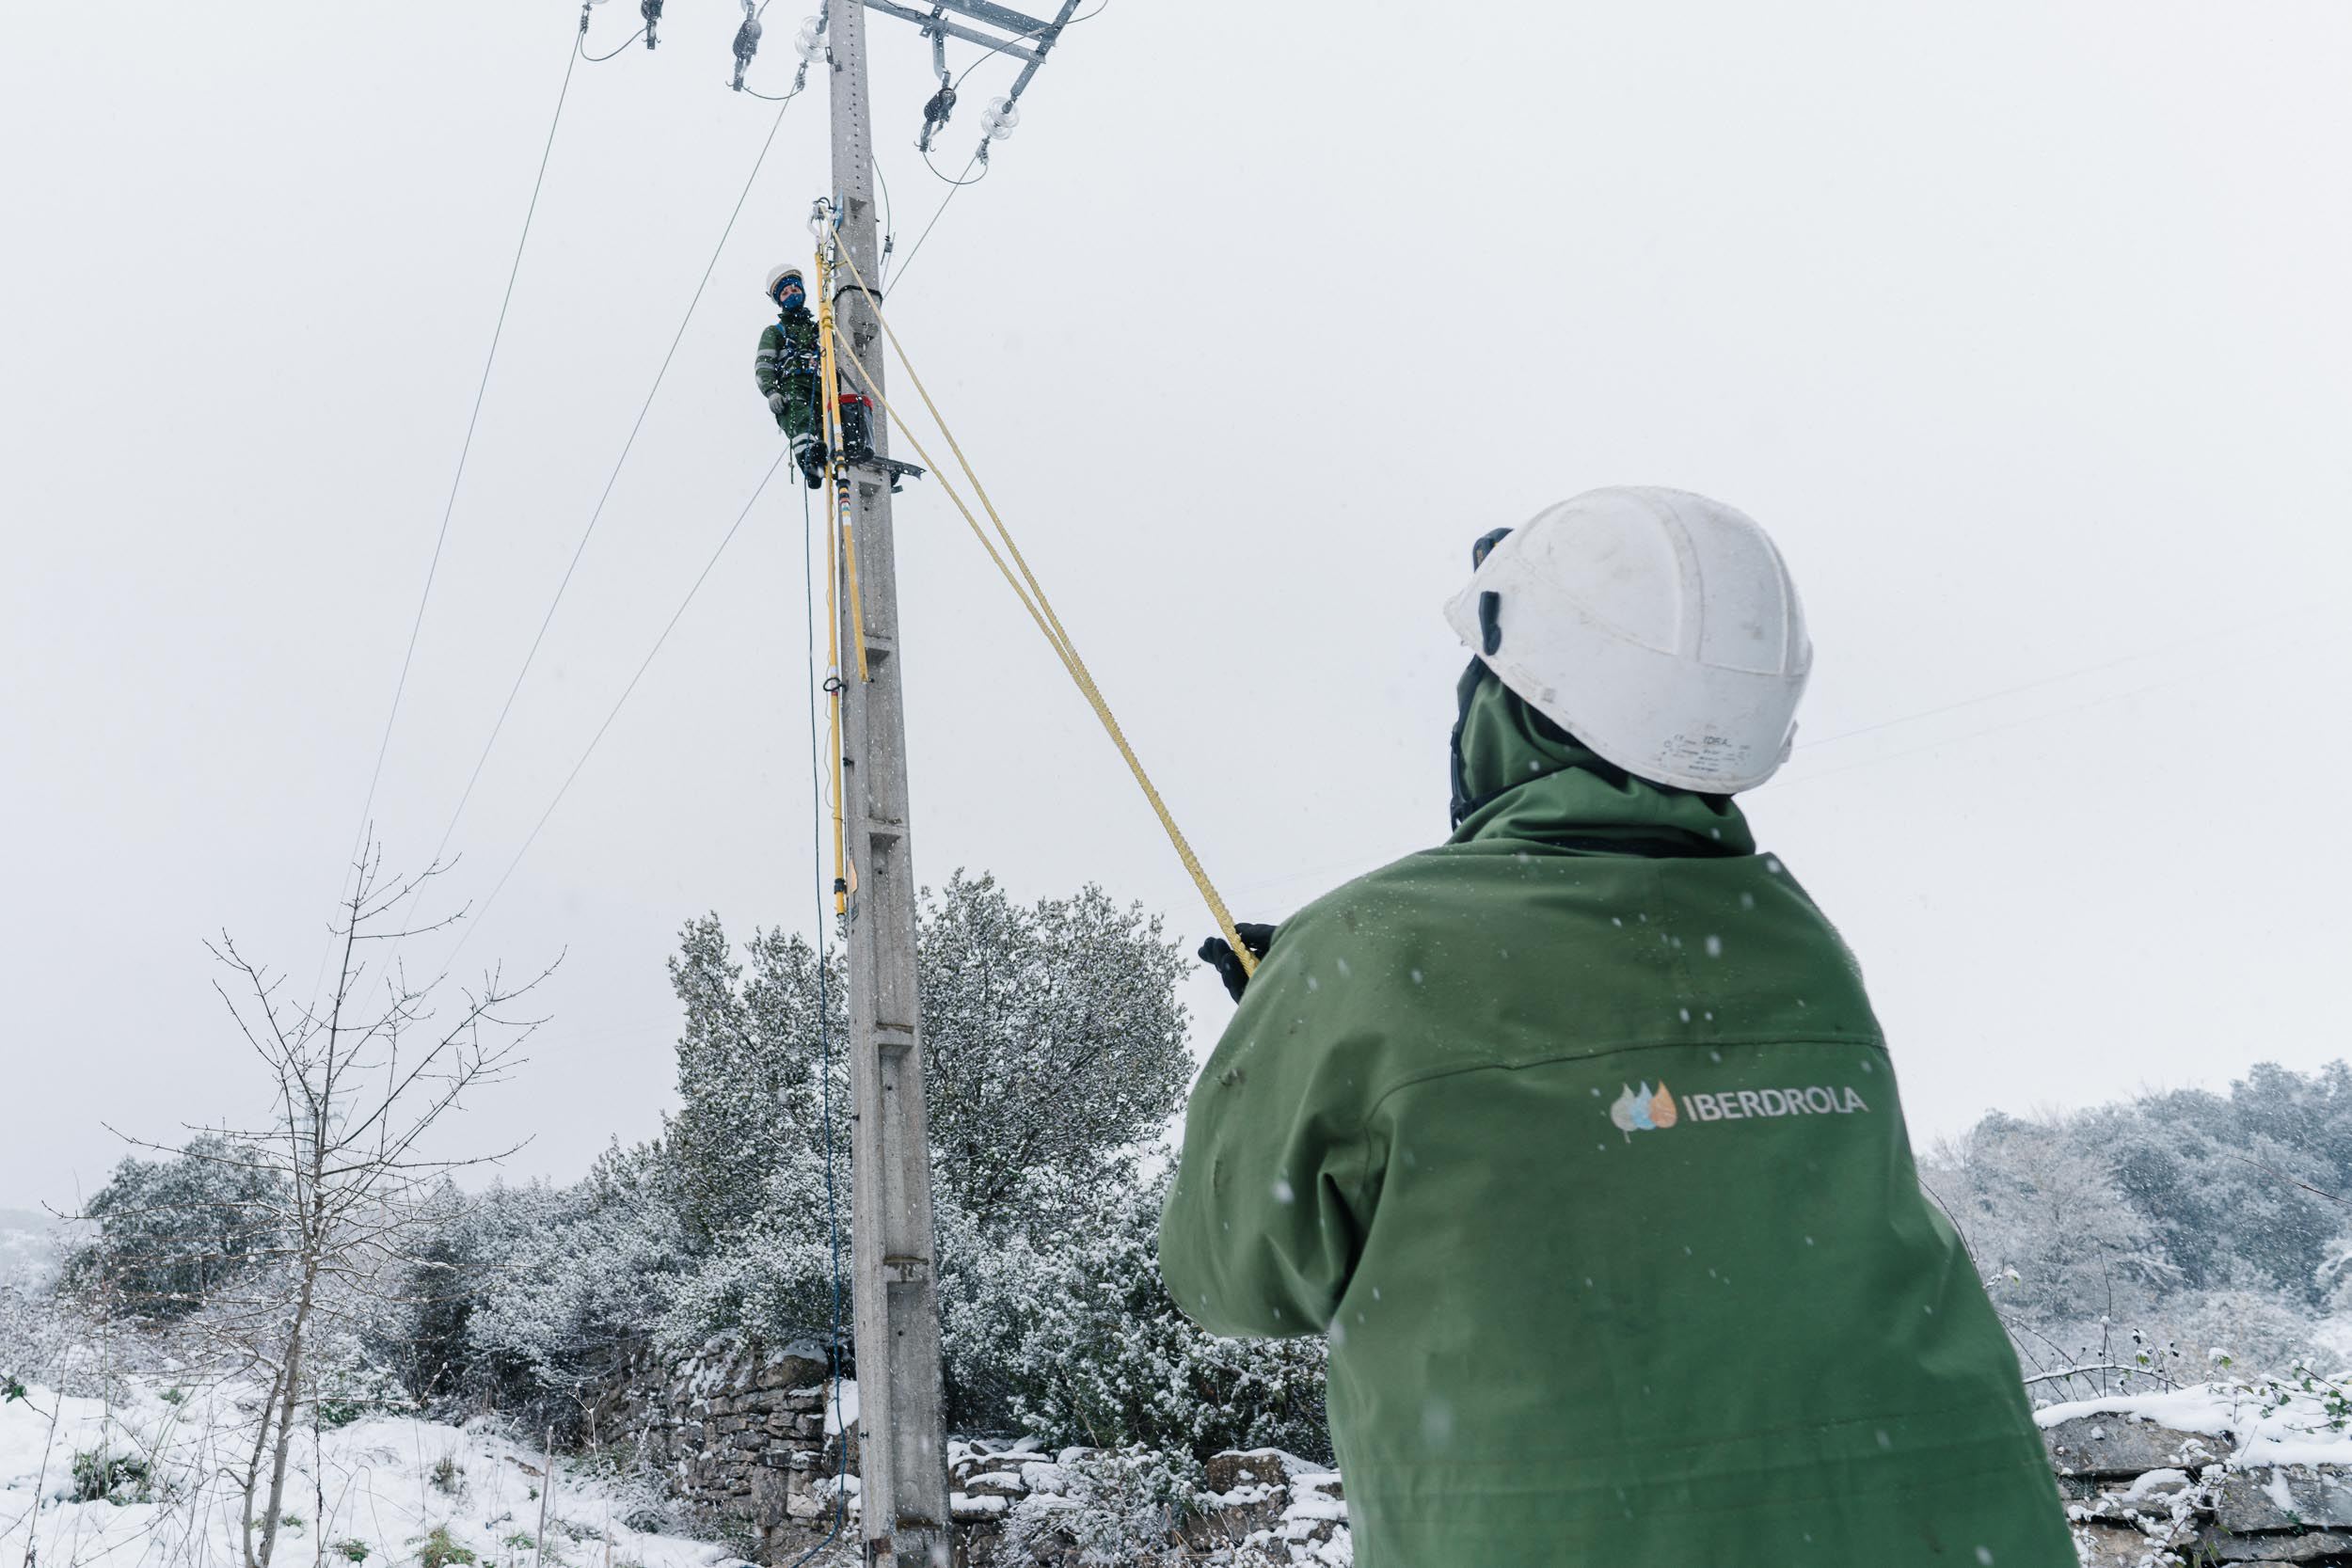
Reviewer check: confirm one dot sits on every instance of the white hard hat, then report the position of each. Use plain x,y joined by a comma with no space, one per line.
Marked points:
1659,627
777,276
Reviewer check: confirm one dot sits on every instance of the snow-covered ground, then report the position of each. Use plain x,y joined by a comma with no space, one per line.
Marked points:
372,1493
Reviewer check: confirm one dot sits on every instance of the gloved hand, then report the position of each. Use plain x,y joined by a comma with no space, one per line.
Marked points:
1218,954
775,403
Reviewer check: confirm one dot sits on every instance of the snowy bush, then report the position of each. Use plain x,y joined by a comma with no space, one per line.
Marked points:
1066,1328
1053,1044
104,1475
1122,1509
171,1231
45,1339
547,1289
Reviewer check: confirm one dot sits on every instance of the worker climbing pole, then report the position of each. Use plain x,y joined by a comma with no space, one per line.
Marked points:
787,368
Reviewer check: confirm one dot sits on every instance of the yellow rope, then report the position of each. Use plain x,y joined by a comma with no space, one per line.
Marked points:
844,873
1040,608
837,461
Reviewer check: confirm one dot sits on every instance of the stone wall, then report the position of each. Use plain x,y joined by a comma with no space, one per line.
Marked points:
2144,1495
742,1438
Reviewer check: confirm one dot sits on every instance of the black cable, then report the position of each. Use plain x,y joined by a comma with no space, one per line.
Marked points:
474,923
465,451
890,222
600,59
956,180
900,277
613,479
824,1026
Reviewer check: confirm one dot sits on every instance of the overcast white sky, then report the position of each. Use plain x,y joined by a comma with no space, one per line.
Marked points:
2023,327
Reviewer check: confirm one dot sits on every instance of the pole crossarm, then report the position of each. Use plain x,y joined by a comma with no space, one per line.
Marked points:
996,16
957,29
1045,41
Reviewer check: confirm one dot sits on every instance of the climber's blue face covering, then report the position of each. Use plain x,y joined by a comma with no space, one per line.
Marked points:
789,295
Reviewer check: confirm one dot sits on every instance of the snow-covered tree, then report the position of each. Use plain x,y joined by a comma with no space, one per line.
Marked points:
171,1231
1052,1043
750,1098
2139,1234
2044,1214
1052,1036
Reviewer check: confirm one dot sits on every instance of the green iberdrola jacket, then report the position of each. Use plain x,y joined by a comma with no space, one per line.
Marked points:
788,349
1578,1137
788,346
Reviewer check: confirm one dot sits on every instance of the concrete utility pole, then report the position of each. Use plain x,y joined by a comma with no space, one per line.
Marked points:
902,1426
902,1420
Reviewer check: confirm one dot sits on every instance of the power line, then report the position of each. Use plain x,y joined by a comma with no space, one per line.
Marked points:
890,222
1363,862
2034,719
474,922
958,184
465,451
611,480
2061,676
582,46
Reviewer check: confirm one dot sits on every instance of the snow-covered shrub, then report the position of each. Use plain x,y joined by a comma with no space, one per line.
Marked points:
1053,1046
46,1339
110,1476
171,1231
1120,1509
559,1283
1066,1328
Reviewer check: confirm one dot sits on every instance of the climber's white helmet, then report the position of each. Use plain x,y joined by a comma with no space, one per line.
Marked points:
775,279
1659,627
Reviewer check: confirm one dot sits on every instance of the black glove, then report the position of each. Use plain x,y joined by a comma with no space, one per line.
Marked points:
1218,954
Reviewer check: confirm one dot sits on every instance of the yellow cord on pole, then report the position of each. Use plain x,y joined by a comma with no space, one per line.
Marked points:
1033,599
837,463
844,873
833,723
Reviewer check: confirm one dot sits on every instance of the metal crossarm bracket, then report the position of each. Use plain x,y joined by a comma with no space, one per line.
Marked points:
996,16
955,29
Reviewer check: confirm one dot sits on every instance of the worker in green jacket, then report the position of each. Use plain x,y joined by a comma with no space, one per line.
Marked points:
787,368
1576,1136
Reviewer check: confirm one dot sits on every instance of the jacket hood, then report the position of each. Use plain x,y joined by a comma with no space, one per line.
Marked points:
1518,775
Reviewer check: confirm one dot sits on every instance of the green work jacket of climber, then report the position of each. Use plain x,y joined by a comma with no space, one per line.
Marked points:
789,362
1579,1139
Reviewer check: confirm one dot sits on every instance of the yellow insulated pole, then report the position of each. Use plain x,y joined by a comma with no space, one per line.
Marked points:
837,463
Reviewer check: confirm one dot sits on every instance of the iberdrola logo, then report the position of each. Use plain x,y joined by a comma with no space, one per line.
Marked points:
1640,1111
